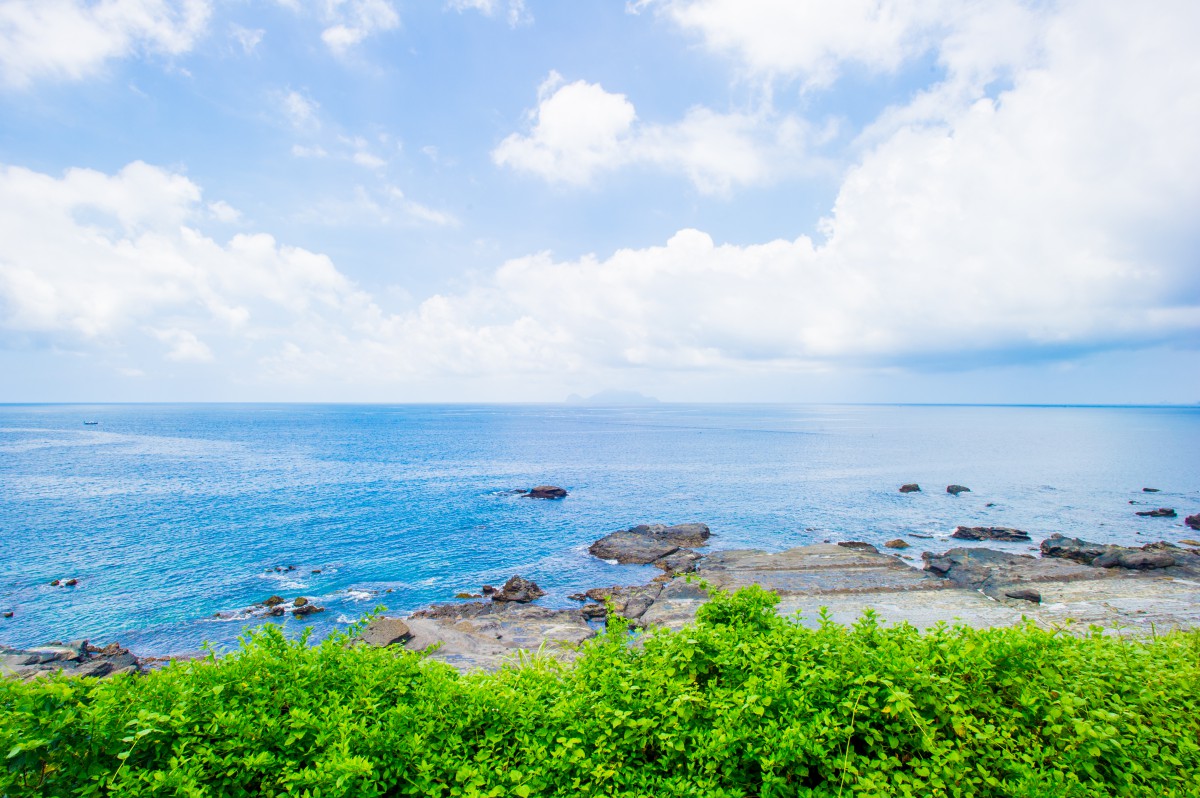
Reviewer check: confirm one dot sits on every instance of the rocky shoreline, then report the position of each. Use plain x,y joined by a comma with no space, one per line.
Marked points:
1071,585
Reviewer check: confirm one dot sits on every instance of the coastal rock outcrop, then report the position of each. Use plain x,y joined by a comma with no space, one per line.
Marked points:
957,489
486,635
657,544
1193,521
998,533
898,543
910,487
1144,558
77,658
518,589
546,492
997,573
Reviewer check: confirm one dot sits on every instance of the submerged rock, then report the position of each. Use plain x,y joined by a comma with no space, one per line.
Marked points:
999,533
546,492
911,487
518,589
304,610
1149,490
957,489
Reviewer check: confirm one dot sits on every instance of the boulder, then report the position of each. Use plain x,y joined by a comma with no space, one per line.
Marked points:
385,632
71,582
8,614
594,612
300,601
304,610
1003,534
1193,521
1161,512
1152,556
272,601
645,543
1024,594
630,602
466,595
957,489
911,487
518,589
898,543
546,492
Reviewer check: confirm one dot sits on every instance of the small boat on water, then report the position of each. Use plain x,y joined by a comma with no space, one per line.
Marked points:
91,423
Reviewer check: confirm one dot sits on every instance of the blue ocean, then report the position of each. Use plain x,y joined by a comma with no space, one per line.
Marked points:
175,518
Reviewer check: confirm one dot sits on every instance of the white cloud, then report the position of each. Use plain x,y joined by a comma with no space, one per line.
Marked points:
368,160
579,130
222,211
1054,218
514,10
315,151
72,40
247,38
300,110
352,21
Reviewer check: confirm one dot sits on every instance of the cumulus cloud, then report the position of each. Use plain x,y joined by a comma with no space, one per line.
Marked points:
72,39
579,130
1050,218
351,21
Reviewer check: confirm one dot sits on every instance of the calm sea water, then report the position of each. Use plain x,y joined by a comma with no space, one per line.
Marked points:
168,514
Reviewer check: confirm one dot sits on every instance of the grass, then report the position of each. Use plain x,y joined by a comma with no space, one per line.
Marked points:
742,703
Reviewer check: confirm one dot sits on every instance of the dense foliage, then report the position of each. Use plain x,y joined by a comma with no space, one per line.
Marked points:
742,703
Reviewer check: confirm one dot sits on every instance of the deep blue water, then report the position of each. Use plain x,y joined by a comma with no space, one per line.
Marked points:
167,514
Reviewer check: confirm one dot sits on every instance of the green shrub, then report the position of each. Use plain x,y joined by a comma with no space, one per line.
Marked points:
742,703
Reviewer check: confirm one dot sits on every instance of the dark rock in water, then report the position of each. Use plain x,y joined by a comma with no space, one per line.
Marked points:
385,632
8,614
56,583
999,533
577,597
1193,521
71,582
300,601
957,489
911,487
1024,594
487,590
858,545
546,492
316,570
465,595
990,504
272,601
681,561
1072,549
1161,512
305,610
518,589
898,543
275,612
646,543
1149,490
679,534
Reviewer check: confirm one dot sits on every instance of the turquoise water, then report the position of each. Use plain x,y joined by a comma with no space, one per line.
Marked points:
167,514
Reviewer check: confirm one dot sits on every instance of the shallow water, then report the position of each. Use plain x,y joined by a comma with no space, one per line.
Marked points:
168,514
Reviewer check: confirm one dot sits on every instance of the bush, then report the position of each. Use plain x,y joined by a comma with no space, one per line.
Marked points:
742,703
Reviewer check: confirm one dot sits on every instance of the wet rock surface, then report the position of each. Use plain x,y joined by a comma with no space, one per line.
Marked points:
1161,512
77,658
957,489
998,533
911,487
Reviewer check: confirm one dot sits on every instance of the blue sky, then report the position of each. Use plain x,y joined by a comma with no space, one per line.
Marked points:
701,200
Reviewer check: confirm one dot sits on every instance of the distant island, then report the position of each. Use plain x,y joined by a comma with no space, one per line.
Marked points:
612,398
